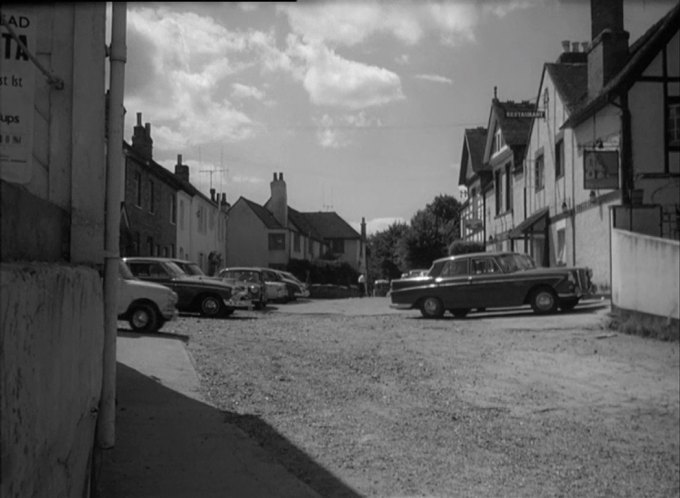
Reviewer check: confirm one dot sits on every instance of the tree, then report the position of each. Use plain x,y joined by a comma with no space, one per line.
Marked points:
431,231
382,254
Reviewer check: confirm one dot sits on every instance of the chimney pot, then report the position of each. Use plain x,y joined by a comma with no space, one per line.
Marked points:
565,45
139,119
585,45
574,46
179,158
212,194
280,176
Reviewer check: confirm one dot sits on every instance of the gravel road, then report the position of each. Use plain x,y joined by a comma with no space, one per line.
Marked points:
360,400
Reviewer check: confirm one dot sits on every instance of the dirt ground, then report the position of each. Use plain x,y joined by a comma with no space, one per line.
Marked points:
361,400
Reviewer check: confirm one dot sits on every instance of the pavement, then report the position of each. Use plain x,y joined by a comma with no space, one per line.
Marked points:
171,443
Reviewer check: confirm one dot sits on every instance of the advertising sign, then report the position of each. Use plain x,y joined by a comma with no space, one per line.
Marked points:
601,169
17,94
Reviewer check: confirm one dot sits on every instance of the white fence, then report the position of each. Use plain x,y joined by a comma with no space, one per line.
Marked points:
645,273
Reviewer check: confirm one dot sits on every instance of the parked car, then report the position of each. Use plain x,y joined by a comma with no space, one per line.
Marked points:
144,305
415,273
251,278
204,295
490,280
295,288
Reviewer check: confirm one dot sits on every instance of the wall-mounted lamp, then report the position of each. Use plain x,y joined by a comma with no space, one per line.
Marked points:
593,197
599,144
564,206
490,238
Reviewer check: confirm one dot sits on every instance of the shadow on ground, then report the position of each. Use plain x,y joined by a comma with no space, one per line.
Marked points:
171,445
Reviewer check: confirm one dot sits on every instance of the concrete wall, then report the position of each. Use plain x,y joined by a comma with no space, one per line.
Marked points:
645,274
51,344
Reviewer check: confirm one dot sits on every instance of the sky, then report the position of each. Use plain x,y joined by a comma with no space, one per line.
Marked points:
361,105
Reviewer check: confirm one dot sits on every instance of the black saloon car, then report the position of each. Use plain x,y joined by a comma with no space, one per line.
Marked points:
204,295
489,280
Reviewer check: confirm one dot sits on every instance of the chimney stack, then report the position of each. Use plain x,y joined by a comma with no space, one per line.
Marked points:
141,138
212,195
181,170
279,200
609,48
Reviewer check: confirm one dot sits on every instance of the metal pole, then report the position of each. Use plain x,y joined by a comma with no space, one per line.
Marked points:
106,433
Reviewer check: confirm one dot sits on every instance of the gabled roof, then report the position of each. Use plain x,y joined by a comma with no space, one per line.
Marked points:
330,225
304,227
571,82
474,140
642,52
264,214
515,129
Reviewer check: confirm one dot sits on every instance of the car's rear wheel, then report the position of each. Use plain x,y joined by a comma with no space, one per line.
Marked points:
543,301
432,307
568,304
144,318
460,312
211,306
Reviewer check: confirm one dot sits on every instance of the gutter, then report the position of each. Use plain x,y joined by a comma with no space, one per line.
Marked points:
114,158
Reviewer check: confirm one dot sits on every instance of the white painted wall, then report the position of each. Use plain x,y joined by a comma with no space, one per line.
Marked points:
645,273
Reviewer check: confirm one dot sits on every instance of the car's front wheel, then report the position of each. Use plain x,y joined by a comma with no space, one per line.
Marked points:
144,318
211,306
432,307
543,301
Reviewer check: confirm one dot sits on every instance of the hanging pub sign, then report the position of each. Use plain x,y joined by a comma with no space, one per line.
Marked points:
600,169
17,93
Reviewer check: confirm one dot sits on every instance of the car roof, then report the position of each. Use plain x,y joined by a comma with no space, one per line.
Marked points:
241,268
475,254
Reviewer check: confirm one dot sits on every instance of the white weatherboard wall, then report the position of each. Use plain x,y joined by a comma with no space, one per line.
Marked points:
645,273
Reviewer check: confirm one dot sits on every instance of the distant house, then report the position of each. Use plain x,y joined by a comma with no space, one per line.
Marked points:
273,234
504,150
473,179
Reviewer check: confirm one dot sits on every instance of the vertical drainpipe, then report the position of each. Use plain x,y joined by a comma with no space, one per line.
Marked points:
114,157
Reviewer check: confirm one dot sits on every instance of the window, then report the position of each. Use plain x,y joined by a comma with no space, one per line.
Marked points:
277,242
457,268
673,127
559,159
484,265
338,246
138,189
498,143
152,200
498,189
296,242
173,209
539,180
149,246
508,188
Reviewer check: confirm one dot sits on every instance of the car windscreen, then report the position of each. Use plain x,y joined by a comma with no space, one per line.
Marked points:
174,269
192,269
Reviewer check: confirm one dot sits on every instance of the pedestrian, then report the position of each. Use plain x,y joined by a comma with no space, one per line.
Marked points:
362,285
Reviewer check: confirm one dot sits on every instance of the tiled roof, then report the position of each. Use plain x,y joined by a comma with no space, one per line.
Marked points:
330,226
264,214
515,129
642,52
474,141
571,82
300,221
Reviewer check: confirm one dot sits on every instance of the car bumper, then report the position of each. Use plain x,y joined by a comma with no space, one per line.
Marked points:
169,315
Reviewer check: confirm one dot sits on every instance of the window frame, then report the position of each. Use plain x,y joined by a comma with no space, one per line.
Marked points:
559,157
539,172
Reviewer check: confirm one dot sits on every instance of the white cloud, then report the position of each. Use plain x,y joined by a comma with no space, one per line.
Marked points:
331,80
435,78
334,132
240,91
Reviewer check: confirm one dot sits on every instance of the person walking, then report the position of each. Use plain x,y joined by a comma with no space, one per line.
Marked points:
362,285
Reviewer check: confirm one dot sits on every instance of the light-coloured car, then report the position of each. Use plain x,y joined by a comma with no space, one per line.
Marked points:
295,288
144,305
250,278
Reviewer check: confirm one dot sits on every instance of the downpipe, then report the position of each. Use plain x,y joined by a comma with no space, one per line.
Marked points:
114,156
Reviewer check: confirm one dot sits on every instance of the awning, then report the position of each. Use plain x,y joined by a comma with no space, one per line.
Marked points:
536,223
